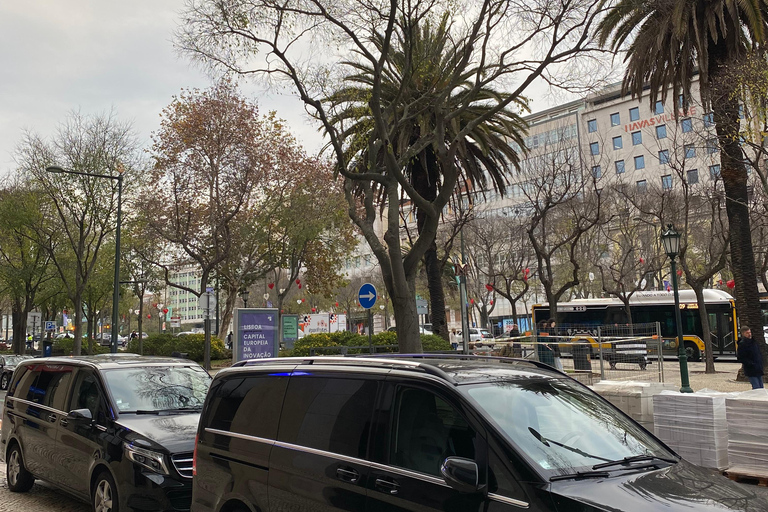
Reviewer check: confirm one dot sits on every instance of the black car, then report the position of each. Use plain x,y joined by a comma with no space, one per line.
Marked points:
434,433
7,365
117,431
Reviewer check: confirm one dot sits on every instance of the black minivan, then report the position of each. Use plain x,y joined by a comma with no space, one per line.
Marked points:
115,430
434,433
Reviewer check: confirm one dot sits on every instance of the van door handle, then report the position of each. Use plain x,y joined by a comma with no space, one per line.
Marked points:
63,422
52,418
387,485
348,474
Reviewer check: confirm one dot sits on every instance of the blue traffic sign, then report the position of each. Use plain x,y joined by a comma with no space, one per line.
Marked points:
367,296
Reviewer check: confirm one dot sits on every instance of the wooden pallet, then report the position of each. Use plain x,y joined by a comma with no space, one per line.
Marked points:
746,474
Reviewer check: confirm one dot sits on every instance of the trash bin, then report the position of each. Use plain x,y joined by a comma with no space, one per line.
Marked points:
581,357
47,348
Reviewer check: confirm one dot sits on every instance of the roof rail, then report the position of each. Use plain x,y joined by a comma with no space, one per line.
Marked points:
537,364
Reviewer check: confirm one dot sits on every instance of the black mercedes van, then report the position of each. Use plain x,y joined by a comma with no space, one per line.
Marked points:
115,430
434,433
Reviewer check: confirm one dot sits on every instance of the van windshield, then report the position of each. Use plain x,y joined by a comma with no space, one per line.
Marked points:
560,426
158,388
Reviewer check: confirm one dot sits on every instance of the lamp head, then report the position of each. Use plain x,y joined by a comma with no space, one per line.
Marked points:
54,169
671,240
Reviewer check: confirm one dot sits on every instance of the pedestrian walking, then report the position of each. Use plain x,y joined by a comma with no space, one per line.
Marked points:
543,350
556,344
454,340
750,357
517,349
229,340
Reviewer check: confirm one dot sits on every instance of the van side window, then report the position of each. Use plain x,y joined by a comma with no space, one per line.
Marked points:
427,430
246,405
329,414
52,386
87,394
24,379
500,481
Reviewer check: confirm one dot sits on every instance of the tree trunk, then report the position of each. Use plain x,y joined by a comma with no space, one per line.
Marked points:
141,325
436,295
229,311
725,112
705,327
78,345
19,319
408,337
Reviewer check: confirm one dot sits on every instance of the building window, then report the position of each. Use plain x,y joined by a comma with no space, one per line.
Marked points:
690,150
666,182
661,132
709,120
681,101
640,162
664,156
712,146
637,138
594,148
687,125
619,166
634,114
596,172
659,108
642,186
592,125
615,119
714,171
693,176
617,144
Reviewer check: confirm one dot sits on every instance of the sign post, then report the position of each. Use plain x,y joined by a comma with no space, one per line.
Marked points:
257,333
207,302
367,298
289,330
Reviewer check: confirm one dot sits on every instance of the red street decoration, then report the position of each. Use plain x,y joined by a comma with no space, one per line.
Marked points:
471,301
298,281
149,316
679,273
337,304
271,285
526,271
282,311
642,260
720,282
154,305
65,312
490,302
299,287
489,287
302,300
165,310
669,288
314,310
731,284
525,277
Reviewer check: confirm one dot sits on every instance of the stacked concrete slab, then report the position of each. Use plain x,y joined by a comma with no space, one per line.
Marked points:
747,414
694,425
633,398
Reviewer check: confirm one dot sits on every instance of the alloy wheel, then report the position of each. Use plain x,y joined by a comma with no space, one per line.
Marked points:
102,499
14,468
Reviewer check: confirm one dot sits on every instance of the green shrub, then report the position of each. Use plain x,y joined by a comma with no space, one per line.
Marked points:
433,342
66,347
303,345
191,344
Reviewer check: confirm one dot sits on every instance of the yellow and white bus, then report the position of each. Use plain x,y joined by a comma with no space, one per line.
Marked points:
657,306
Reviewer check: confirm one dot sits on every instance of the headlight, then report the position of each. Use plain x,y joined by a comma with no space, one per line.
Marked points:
153,461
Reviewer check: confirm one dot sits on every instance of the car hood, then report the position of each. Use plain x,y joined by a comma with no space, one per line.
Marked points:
174,433
681,487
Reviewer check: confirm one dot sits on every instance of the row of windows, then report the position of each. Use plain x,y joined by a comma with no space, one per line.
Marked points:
634,115
550,137
620,167
692,177
689,150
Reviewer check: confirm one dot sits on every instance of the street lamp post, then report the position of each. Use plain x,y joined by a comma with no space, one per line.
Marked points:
244,295
671,241
116,295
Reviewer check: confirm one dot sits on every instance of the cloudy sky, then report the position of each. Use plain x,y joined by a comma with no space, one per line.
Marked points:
94,55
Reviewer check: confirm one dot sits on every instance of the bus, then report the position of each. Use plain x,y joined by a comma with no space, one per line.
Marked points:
658,306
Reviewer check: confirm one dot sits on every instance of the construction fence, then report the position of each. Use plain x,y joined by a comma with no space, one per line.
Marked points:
593,353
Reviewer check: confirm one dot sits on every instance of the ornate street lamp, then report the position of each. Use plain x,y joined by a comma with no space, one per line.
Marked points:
244,295
671,241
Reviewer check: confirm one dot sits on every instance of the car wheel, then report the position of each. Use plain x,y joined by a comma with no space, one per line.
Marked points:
17,476
4,380
104,497
693,352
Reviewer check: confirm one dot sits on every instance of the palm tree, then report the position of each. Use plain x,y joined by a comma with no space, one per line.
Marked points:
667,43
419,86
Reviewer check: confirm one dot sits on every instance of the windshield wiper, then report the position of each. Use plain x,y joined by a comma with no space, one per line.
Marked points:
546,442
633,458
147,412
581,474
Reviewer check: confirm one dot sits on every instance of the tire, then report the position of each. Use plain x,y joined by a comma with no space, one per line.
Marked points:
5,380
104,496
16,474
693,352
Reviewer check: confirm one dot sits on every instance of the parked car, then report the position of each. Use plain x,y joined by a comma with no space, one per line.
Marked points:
118,431
483,336
7,365
434,433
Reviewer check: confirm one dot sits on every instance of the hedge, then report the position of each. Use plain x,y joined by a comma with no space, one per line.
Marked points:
191,344
429,342
66,347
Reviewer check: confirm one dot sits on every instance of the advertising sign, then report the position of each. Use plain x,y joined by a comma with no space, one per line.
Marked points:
290,330
256,333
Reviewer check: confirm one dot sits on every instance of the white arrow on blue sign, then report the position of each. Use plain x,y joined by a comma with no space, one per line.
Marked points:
367,295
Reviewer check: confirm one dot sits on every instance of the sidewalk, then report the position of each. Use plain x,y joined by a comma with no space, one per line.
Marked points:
723,380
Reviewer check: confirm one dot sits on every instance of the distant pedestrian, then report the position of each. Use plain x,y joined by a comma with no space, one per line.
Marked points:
748,354
229,340
454,339
556,345
517,348
29,340
543,350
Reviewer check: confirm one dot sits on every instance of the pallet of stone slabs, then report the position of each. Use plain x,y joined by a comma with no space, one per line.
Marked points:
748,474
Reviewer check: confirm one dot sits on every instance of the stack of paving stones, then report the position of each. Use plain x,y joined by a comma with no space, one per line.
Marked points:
747,415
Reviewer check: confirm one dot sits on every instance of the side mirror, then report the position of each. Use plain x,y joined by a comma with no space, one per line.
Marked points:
80,414
461,474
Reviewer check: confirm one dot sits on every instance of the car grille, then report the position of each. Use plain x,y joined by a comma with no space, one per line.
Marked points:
183,464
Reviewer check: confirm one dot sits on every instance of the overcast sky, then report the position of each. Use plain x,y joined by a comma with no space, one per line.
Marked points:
95,55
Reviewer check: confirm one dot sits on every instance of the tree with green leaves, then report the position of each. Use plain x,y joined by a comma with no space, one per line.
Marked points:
667,44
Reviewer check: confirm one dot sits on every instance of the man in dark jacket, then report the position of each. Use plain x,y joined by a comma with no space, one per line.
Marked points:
749,355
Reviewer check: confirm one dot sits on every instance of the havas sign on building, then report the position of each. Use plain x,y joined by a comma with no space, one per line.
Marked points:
658,120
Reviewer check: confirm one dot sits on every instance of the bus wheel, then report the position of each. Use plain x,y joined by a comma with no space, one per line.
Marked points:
692,351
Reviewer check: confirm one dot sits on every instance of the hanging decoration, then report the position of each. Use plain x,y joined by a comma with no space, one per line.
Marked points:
731,284
489,287
271,285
